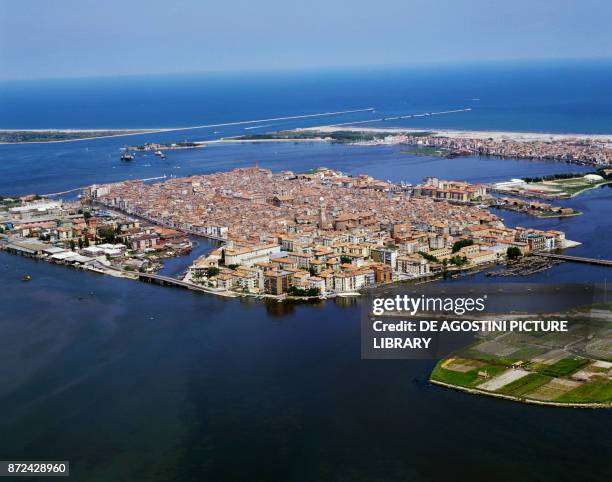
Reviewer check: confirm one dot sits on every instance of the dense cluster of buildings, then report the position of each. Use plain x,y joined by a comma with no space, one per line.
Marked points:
66,233
579,151
322,231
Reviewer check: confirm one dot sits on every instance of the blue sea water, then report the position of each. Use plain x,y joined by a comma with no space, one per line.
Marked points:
131,381
531,96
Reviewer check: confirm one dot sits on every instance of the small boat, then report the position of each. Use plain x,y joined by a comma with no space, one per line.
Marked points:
26,277
126,156
159,153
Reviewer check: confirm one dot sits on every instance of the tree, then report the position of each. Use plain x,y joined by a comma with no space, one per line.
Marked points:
429,257
295,291
458,260
212,271
107,233
345,259
80,242
462,243
513,252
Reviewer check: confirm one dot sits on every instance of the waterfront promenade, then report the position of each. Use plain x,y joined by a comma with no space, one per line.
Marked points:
168,281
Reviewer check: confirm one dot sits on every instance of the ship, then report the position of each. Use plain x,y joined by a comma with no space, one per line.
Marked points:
127,156
26,277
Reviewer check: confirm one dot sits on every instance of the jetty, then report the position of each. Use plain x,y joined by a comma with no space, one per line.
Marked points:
168,281
576,259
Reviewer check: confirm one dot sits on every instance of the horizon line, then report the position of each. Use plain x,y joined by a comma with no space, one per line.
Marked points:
315,68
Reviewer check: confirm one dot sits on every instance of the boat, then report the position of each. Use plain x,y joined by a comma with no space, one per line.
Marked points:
26,277
127,156
159,153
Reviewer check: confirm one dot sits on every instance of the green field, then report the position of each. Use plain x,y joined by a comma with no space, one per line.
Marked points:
574,186
424,151
524,385
599,391
563,367
468,379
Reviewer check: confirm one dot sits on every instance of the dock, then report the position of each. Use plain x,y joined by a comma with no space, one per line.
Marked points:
168,281
576,259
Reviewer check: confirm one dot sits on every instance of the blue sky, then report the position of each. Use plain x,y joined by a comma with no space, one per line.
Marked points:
74,38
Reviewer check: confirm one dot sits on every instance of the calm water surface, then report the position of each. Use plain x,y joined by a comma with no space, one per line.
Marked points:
136,382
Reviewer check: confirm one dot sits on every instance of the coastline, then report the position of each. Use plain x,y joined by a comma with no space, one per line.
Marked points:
475,391
519,136
468,134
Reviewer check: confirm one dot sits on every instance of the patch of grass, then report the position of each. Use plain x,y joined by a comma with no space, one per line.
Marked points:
467,379
564,367
599,391
524,385
525,353
423,151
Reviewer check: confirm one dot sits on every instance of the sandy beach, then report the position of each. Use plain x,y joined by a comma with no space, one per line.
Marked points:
465,134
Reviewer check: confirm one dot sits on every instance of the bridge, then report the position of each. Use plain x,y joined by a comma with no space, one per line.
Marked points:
576,259
77,189
168,281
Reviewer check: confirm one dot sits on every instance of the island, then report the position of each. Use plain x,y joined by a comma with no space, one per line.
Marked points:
17,136
572,368
324,232
581,149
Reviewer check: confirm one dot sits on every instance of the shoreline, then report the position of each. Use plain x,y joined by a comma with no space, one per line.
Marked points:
475,391
496,135
130,132
467,134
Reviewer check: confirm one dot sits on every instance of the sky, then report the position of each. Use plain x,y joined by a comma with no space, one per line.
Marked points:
83,38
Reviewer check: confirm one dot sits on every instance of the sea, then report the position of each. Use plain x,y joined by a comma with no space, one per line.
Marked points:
137,382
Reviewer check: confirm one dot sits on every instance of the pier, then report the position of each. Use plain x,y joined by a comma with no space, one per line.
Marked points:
77,189
168,281
576,259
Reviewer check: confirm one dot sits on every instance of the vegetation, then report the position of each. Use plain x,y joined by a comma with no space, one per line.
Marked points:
107,234
599,391
344,137
554,177
212,271
564,367
462,243
527,384
295,291
429,257
345,259
48,136
513,252
424,151
465,379
458,260
567,175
